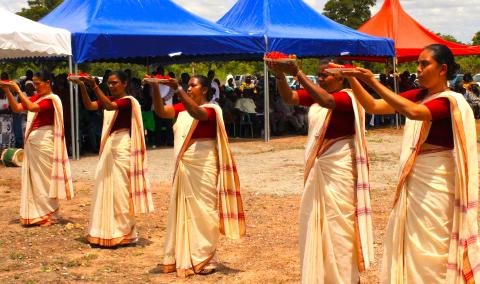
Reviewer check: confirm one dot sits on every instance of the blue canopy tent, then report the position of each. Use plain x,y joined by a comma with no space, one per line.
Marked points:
144,30
293,27
131,29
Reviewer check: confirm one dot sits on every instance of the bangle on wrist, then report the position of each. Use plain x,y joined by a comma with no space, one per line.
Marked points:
178,89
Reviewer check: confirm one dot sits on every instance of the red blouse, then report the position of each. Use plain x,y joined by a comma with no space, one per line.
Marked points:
45,115
441,132
342,122
205,129
124,117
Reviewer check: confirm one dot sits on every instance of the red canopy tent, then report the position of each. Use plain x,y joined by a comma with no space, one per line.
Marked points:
409,36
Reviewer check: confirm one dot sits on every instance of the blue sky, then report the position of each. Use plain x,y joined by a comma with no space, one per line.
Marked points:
458,18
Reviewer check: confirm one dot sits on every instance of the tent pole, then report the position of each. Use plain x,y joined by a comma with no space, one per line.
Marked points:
72,113
266,94
77,127
266,110
395,87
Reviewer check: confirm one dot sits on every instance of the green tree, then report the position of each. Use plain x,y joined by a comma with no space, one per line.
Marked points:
448,37
37,9
351,13
476,39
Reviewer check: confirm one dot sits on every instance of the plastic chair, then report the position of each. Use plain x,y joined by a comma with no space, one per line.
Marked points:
229,121
245,120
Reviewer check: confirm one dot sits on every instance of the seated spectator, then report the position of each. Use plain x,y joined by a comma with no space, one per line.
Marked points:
62,89
278,118
473,99
7,136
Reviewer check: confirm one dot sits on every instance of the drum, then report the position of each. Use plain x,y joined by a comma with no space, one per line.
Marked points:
12,157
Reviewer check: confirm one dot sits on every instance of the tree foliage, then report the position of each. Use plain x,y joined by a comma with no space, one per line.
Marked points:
448,37
476,39
37,9
351,13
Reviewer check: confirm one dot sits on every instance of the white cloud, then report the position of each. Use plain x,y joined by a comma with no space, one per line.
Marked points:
458,18
13,5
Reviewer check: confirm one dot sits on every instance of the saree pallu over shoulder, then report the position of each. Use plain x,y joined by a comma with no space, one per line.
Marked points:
319,118
463,253
230,206
140,194
61,185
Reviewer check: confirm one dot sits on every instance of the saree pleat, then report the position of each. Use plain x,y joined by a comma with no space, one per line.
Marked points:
36,207
111,221
327,218
193,214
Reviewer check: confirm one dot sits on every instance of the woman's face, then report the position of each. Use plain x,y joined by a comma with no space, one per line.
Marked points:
328,81
196,91
42,87
115,86
429,71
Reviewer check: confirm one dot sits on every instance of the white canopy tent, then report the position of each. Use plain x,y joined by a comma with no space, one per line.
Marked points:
24,39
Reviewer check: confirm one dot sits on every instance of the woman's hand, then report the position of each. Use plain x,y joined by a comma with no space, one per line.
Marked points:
172,83
10,85
152,83
360,73
89,81
278,68
5,86
76,81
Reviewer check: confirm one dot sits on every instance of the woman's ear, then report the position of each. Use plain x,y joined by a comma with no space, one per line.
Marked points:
443,69
205,91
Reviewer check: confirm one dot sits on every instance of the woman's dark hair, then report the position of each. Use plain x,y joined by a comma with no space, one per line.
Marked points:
443,55
467,78
44,76
476,89
4,76
122,76
184,77
106,74
336,60
205,83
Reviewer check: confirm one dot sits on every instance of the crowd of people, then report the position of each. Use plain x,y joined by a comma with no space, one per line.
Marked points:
242,105
432,231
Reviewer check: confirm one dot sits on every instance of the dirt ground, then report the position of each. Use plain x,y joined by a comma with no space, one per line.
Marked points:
271,179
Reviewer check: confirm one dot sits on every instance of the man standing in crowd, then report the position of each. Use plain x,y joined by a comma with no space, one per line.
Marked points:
163,126
215,87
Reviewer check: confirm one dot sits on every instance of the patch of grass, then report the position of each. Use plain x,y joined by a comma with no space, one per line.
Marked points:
73,263
16,256
375,140
90,256
45,268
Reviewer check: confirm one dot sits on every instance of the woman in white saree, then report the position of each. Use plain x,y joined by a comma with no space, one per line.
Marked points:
432,230
205,197
336,239
46,175
121,186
